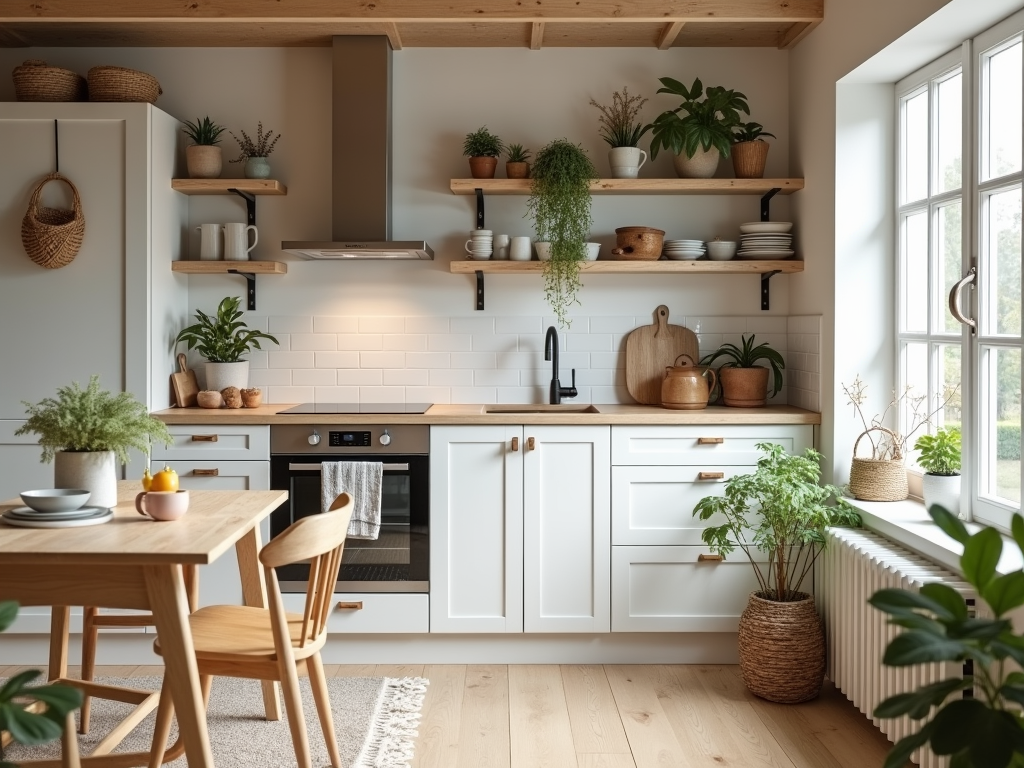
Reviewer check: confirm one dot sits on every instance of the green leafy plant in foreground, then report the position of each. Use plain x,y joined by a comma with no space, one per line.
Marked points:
986,731
940,453
223,338
16,694
749,132
747,357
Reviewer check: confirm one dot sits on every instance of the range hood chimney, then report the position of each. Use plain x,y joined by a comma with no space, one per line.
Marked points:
361,161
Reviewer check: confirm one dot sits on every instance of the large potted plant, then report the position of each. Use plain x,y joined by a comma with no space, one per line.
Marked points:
483,149
940,459
778,516
560,205
223,339
622,131
749,150
203,157
744,383
86,432
704,135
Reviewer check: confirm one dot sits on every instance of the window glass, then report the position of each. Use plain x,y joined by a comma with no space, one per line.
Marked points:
915,272
949,134
1001,423
914,403
1002,117
949,247
915,148
1001,264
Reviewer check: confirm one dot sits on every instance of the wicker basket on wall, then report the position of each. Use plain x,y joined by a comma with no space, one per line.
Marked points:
121,84
35,80
52,236
878,479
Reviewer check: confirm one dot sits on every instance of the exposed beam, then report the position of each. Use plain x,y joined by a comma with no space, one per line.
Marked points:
537,35
669,34
391,30
796,33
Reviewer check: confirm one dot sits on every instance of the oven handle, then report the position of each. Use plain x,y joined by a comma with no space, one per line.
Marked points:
317,467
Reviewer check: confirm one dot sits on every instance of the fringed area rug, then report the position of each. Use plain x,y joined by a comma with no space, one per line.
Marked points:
375,718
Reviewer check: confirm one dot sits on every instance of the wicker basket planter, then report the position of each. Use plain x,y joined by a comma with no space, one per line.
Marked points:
35,81
878,479
53,236
749,159
782,649
120,84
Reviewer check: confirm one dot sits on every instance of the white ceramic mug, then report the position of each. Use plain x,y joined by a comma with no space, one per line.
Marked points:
479,248
475,233
626,162
236,241
500,252
210,242
519,249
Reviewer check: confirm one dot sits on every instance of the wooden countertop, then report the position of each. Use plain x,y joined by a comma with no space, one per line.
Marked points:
474,414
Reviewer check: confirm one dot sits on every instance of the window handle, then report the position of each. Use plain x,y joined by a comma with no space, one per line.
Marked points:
954,299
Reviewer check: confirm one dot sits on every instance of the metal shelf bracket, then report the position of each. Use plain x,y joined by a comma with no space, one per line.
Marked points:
250,204
479,208
479,289
766,199
250,280
765,277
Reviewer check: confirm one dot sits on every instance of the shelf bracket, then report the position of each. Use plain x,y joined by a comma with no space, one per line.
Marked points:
250,280
765,277
479,208
765,201
479,289
250,204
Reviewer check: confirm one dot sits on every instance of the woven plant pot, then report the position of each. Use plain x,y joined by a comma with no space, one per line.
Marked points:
749,159
204,161
35,81
744,387
121,84
782,649
878,479
52,236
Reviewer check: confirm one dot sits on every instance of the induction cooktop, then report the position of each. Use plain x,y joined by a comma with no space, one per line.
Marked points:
359,408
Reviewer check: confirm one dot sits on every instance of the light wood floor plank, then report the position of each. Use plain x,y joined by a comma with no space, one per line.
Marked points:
484,730
651,738
596,726
539,729
354,670
399,670
593,760
438,744
690,709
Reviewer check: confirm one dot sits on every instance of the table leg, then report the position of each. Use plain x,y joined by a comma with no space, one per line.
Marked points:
60,617
254,593
169,604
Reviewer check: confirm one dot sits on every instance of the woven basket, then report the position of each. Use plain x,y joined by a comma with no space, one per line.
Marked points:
35,81
52,236
878,479
120,84
749,158
782,649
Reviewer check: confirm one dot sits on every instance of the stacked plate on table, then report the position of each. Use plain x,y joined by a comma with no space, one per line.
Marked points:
683,250
766,240
60,508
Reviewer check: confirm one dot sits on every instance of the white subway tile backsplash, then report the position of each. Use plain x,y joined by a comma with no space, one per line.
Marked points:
382,394
405,342
360,377
449,377
263,377
257,322
765,325
428,360
612,324
290,324
337,359
473,360
382,359
406,377
495,342
426,325
474,395
337,395
595,342
519,360
360,341
292,395
603,377
381,325
315,377
700,325
314,341
610,395
517,325
609,359
335,325
472,325
537,394
428,395
496,378
257,359
290,359
283,342
452,342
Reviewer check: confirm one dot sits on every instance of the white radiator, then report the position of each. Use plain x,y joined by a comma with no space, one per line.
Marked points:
855,564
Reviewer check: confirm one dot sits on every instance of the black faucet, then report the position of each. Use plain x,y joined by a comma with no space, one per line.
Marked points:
551,353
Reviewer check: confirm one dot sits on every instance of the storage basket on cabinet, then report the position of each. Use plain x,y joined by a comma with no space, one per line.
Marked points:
121,84
52,236
35,80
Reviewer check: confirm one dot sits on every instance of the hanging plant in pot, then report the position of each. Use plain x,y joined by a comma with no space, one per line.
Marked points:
621,130
222,340
87,431
483,149
744,383
778,517
704,135
203,158
749,150
560,205
254,153
940,459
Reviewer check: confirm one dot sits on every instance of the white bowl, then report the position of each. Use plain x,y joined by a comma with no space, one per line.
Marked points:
544,251
766,226
684,255
55,499
721,250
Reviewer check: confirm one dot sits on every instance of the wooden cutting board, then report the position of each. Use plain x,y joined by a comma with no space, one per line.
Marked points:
652,348
185,385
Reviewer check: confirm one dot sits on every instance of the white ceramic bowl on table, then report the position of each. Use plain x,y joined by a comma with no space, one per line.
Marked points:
55,499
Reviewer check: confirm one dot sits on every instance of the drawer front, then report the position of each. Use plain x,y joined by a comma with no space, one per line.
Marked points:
208,443
730,444
668,589
222,475
372,612
654,505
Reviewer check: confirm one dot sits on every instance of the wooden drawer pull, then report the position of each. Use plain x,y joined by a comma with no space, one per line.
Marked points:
206,472
515,443
710,440
710,558
530,444
711,475
204,438
356,605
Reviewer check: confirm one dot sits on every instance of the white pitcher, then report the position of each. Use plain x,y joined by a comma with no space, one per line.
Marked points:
236,241
210,242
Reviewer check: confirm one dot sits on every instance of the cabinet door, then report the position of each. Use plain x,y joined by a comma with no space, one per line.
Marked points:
476,529
707,444
566,529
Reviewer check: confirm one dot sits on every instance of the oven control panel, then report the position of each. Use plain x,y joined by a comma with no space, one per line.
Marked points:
347,439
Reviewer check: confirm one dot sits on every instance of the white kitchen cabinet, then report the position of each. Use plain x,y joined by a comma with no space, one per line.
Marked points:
519,529
224,442
371,612
695,445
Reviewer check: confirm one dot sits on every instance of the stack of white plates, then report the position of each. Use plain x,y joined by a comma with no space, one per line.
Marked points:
26,517
683,250
766,240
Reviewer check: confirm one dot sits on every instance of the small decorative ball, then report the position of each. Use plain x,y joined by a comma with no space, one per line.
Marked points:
251,398
209,398
232,397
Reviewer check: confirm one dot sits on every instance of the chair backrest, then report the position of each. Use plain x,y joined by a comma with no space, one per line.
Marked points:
320,539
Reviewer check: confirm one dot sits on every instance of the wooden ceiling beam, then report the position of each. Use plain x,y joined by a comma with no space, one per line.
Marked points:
795,34
669,35
536,35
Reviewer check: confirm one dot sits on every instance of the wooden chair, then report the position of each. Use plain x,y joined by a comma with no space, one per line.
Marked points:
239,641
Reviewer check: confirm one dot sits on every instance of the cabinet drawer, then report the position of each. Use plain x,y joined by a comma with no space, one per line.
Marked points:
731,444
668,589
224,442
377,612
222,475
654,505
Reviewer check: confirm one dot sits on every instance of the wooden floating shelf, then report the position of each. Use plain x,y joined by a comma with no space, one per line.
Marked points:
226,267
640,186
637,267
224,186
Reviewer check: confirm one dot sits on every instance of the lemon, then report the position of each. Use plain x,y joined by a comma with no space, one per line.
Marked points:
147,480
164,480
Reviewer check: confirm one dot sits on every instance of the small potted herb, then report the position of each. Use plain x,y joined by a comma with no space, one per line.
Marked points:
744,383
483,149
749,150
621,129
203,158
516,165
940,459
254,153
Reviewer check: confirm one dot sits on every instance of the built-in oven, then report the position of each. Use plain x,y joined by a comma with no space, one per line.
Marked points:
398,560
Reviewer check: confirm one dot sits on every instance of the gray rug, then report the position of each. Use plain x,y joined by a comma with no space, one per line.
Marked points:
375,719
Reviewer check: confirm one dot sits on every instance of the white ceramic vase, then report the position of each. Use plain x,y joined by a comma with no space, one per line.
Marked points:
701,166
221,375
943,490
626,162
95,471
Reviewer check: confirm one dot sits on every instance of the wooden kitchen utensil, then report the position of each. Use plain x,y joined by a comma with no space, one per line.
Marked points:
650,349
185,385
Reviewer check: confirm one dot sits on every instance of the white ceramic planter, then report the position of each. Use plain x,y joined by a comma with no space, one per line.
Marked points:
943,490
221,375
626,162
701,166
95,471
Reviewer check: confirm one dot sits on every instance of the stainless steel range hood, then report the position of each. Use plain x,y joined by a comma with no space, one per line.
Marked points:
361,162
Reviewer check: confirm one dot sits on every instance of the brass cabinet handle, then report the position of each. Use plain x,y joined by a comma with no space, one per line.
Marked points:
206,472
356,605
530,444
515,443
711,475
710,558
710,440
204,438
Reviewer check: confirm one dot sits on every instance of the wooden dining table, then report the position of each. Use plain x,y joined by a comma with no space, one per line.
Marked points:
135,562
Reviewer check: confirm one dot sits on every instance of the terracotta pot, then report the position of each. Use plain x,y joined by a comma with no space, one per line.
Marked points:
517,170
744,387
701,166
749,158
686,387
204,161
482,167
782,649
638,243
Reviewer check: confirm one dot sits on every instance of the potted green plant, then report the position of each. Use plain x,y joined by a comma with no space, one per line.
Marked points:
704,134
483,149
560,205
86,432
749,150
254,153
940,459
986,729
516,165
622,131
744,383
203,158
222,339
778,517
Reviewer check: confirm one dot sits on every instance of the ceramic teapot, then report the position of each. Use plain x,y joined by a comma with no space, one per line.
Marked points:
686,387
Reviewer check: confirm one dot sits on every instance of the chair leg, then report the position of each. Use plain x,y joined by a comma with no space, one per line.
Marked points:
318,682
162,728
293,706
205,684
90,634
69,755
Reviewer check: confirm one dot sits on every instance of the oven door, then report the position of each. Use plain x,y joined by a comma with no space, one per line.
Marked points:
398,560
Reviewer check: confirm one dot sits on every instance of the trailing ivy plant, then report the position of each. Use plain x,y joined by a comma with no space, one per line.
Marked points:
223,338
560,205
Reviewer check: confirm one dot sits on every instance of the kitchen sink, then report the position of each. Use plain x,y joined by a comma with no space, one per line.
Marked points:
562,408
